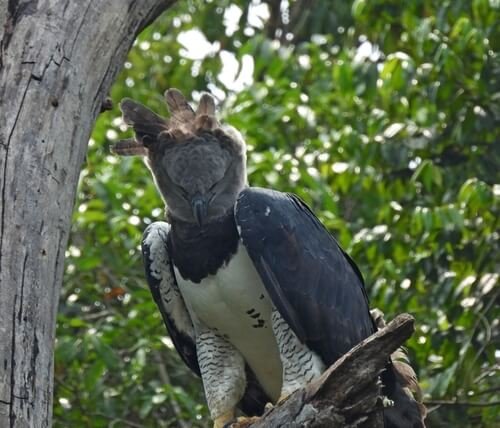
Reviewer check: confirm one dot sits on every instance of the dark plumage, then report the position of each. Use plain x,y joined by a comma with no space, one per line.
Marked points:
316,287
201,251
248,280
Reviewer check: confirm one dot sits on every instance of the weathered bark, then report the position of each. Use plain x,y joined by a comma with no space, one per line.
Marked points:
58,59
348,394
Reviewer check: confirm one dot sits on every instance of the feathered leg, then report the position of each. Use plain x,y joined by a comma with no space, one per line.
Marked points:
223,373
300,364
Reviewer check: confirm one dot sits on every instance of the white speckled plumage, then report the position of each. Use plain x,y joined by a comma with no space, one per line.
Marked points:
300,364
231,319
235,304
222,369
160,268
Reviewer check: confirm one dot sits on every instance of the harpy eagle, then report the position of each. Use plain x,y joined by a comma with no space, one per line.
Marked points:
257,296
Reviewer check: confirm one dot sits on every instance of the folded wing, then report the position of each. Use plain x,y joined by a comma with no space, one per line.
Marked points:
315,286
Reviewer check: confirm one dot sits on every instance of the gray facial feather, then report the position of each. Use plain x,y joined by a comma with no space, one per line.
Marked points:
189,155
196,166
200,166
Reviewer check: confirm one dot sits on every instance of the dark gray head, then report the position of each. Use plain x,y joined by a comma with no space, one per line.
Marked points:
199,166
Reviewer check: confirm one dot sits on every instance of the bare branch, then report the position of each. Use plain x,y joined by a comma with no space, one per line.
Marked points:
348,394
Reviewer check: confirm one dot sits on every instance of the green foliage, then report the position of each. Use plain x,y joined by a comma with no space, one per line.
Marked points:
383,116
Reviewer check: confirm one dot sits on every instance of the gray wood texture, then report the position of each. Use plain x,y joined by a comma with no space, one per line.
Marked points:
58,59
348,394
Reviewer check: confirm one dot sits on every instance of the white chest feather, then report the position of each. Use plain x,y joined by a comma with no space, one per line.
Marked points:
235,303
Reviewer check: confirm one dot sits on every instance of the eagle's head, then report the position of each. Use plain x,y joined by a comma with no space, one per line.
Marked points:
199,165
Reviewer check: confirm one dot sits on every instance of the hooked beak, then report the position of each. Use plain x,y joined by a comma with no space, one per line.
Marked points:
200,206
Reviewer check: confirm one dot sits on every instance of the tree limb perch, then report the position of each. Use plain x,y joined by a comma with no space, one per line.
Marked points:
349,393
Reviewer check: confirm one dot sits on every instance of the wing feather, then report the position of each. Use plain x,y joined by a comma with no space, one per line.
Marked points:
316,287
163,285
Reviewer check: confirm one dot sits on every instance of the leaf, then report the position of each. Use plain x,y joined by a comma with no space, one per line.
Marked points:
392,130
442,381
429,174
358,6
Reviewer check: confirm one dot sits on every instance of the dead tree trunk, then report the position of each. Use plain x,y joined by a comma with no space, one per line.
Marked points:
58,59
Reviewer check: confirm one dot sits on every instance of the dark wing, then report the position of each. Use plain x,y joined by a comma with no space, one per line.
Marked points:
161,280
315,286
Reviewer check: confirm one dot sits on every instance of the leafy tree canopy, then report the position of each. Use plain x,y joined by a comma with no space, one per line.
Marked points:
382,115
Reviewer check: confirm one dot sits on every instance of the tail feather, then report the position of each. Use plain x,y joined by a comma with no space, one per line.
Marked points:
401,386
406,376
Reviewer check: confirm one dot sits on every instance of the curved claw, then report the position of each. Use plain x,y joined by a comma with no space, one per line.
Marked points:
386,402
283,397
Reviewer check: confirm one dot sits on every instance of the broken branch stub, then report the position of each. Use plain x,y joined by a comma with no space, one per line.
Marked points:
349,393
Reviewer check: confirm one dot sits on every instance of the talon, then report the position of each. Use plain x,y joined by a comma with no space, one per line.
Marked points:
224,420
386,402
283,397
268,407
